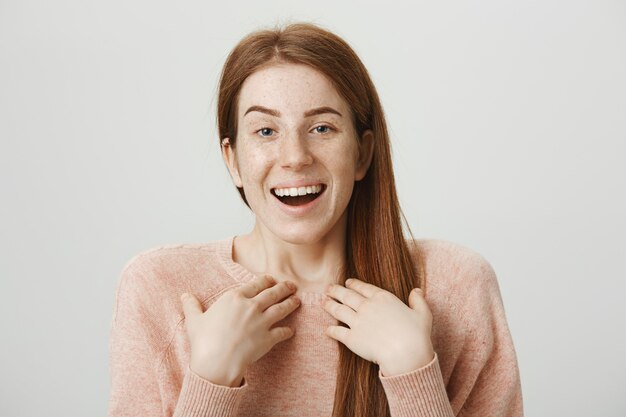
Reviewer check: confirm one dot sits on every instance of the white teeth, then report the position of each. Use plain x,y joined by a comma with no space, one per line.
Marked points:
295,191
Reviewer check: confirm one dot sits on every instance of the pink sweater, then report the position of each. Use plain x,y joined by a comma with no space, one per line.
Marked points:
474,372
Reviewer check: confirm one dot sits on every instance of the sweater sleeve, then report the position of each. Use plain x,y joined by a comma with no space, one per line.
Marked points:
134,389
200,397
487,381
137,339
421,392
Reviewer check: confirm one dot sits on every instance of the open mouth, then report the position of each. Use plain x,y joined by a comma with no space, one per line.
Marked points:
298,196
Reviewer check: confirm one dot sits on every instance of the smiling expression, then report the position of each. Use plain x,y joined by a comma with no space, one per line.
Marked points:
296,136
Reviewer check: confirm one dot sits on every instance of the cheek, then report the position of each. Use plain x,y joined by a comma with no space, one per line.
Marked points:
342,163
253,165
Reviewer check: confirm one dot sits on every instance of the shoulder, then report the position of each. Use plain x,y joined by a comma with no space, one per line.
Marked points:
462,291
452,266
150,284
166,271
171,257
167,262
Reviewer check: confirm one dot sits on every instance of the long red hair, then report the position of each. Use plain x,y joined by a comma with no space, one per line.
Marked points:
376,250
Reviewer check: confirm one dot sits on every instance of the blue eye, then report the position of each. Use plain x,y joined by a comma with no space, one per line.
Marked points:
265,130
324,126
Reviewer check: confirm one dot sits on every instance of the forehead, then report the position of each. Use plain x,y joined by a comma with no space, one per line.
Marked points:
291,89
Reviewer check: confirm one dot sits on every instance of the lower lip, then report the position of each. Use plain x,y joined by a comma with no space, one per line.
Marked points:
300,210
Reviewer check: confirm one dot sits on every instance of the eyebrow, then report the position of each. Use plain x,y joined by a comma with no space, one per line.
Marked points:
308,113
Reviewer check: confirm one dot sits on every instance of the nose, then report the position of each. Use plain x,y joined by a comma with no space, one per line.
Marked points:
294,152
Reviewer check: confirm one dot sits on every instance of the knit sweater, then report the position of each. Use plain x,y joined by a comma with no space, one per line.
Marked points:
474,371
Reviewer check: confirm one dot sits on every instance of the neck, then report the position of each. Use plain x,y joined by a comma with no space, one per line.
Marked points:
311,265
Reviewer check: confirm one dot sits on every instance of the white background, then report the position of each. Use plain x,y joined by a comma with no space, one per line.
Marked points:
508,122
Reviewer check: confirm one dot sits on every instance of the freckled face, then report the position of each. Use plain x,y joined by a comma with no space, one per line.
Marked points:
294,131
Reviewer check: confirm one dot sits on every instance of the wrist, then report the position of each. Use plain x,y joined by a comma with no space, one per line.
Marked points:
228,376
402,364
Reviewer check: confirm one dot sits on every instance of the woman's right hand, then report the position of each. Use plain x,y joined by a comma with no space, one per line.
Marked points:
235,330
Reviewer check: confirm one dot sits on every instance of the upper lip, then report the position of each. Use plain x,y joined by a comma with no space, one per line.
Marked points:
297,184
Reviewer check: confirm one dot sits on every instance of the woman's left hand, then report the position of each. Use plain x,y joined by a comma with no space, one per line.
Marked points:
383,329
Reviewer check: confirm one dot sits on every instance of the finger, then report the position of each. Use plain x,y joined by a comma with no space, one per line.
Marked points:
339,333
191,305
281,310
270,296
256,285
417,300
278,334
341,312
347,296
368,290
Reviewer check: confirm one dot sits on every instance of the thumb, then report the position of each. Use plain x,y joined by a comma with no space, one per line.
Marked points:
191,305
416,298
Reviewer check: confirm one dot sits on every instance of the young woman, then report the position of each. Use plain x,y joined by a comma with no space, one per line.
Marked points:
269,323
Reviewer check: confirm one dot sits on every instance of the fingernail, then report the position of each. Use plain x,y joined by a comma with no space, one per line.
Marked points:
291,285
183,296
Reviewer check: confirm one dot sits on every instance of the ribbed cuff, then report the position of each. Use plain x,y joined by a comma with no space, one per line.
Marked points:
202,398
420,392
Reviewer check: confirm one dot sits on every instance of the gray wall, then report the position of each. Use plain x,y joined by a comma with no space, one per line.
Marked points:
508,126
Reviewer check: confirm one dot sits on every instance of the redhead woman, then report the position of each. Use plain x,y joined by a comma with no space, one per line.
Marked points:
325,308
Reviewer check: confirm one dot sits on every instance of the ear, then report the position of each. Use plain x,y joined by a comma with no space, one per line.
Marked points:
366,152
228,153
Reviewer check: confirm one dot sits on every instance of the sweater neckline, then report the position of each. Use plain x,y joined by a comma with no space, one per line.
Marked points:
241,274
